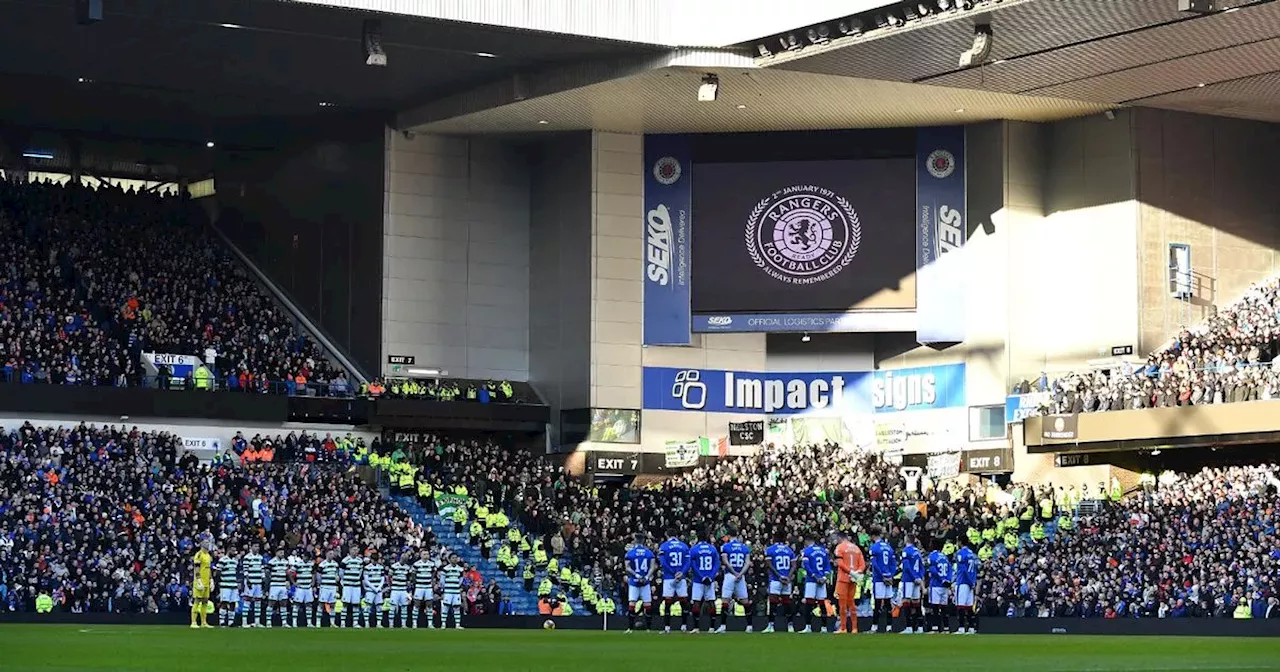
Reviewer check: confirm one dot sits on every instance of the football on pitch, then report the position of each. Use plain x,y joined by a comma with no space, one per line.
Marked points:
548,624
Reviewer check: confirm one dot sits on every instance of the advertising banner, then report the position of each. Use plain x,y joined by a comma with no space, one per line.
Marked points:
668,209
918,388
897,321
940,234
772,393
682,454
1019,407
447,503
790,236
824,393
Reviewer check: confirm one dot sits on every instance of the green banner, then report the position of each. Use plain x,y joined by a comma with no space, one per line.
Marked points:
447,503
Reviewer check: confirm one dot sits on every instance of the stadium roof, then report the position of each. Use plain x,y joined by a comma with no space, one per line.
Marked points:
160,68
1131,52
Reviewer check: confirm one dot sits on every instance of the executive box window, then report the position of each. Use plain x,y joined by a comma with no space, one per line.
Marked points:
986,422
600,425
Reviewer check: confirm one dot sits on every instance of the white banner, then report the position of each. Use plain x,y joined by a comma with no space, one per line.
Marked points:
681,454
944,465
932,431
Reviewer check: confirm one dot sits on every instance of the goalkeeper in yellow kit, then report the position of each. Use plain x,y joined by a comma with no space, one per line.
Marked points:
201,586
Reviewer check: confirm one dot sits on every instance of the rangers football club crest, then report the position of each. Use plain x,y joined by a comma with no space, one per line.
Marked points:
667,171
941,163
803,234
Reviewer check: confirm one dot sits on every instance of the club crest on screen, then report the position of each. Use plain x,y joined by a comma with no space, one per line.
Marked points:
803,234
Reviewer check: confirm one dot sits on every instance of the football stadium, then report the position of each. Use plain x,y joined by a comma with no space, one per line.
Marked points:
511,335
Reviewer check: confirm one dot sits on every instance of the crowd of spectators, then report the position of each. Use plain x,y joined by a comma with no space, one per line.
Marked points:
1230,357
107,518
1195,547
96,276
1202,545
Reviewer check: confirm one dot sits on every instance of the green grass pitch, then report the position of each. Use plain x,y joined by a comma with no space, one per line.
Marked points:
153,648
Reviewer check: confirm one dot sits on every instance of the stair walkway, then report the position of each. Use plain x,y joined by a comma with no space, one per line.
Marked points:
522,602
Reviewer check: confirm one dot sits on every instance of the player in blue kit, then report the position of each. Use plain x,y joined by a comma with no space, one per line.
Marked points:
912,582
704,566
966,583
817,571
674,556
640,565
781,562
736,558
884,565
938,569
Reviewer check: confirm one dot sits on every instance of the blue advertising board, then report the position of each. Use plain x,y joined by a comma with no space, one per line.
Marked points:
668,210
793,393
941,218
918,389
1019,407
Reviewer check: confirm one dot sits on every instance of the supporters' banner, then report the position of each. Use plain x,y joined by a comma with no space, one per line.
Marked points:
1019,407
988,461
447,503
749,433
944,465
1060,426
668,208
931,431
682,454
940,234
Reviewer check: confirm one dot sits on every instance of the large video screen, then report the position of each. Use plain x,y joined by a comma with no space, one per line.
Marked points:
797,236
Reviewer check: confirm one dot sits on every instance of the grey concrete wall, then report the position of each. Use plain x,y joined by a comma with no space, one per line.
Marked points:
456,255
560,246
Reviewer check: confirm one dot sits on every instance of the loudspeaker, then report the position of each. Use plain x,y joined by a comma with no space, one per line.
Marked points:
88,12
1197,6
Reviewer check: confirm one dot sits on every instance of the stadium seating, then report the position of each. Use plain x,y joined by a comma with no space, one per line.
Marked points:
1231,357
99,275
1031,566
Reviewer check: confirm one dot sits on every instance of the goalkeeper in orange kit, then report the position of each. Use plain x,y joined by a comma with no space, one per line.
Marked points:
850,568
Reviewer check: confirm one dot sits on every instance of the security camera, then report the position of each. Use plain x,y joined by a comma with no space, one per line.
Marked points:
981,49
408,135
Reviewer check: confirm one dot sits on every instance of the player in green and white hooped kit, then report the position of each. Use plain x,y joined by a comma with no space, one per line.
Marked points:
400,571
352,572
278,592
375,580
424,589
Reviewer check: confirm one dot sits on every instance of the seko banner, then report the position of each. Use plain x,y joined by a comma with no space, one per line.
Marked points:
940,234
668,207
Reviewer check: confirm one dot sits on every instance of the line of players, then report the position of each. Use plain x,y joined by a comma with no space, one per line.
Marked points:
951,586
299,592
